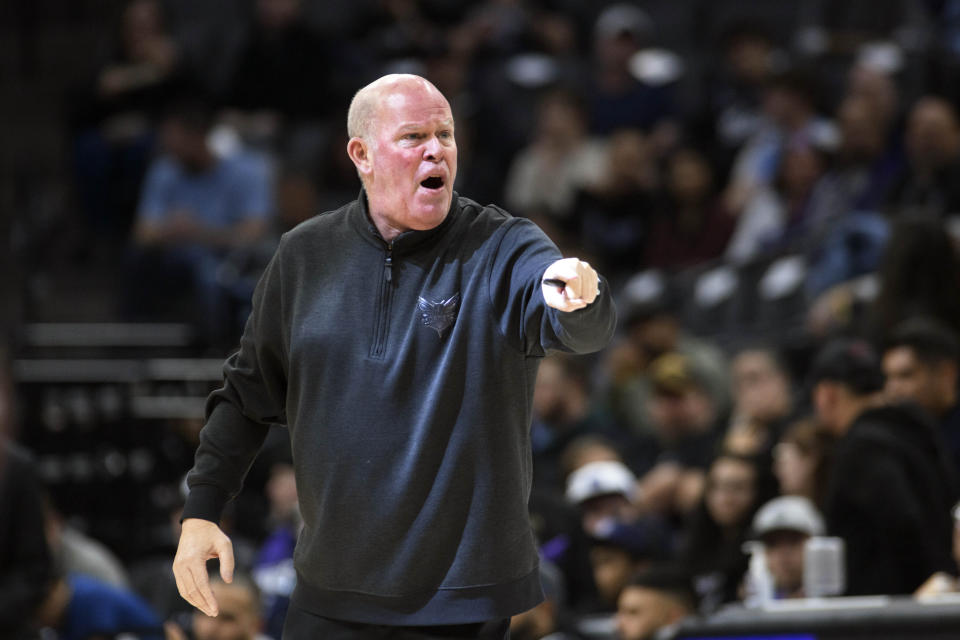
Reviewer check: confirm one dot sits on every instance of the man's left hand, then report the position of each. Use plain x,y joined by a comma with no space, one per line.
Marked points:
582,284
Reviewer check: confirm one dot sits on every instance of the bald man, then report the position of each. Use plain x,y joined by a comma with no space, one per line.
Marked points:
398,338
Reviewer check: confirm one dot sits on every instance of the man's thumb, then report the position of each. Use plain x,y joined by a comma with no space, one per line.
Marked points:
225,553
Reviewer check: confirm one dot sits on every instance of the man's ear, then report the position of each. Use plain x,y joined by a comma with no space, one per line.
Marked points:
359,154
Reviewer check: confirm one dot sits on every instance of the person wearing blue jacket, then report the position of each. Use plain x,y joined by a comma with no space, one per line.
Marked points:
398,339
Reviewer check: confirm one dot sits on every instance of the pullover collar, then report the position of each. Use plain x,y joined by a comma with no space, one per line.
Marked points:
407,241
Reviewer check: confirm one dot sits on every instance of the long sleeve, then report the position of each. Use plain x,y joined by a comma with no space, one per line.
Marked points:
252,398
523,254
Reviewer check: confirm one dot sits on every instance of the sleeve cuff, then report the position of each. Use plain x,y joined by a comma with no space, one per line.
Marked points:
205,501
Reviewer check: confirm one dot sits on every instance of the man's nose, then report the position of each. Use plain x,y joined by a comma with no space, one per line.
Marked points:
433,150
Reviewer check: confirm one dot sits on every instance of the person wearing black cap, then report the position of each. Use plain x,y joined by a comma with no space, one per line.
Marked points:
892,484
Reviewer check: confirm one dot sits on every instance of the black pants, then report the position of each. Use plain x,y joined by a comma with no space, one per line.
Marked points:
303,625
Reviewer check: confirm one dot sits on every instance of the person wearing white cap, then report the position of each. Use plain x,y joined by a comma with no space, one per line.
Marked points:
604,491
783,525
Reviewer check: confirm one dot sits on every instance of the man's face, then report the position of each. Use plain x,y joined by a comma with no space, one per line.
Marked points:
784,551
612,568
641,612
910,379
238,618
762,392
411,158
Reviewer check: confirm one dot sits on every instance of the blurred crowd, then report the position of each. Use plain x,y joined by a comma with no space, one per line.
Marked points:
771,189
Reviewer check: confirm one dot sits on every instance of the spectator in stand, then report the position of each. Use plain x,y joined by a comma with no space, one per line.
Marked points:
115,115
920,365
605,492
622,550
712,546
802,460
619,100
930,185
561,159
239,617
762,399
273,572
275,94
652,602
196,207
919,276
783,526
652,328
790,121
691,225
686,423
892,483
846,233
563,411
735,90
78,607
613,214
75,552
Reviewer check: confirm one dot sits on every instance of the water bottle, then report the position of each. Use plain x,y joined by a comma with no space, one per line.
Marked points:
824,568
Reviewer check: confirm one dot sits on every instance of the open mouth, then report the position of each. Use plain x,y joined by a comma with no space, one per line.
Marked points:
433,182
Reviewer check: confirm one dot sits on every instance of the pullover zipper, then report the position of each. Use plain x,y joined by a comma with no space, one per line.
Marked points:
383,307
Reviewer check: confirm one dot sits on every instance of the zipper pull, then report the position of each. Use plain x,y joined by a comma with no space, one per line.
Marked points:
388,264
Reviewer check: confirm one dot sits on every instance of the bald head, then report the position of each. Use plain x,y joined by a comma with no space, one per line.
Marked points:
367,101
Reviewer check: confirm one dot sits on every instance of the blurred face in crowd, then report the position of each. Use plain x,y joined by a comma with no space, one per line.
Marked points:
761,390
684,412
785,106
933,134
731,490
407,155
596,512
794,469
877,88
630,162
656,335
142,22
641,612
784,552
185,143
690,177
931,385
801,169
749,58
239,617
561,122
861,131
612,568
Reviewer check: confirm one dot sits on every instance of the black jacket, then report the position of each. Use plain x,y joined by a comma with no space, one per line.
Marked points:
405,374
889,498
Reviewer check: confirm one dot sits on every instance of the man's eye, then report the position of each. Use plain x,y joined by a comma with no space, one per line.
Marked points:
413,136
446,134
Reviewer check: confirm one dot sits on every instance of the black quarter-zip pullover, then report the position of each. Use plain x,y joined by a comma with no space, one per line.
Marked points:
405,374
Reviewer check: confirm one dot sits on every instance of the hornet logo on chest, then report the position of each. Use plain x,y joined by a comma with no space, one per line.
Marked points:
439,314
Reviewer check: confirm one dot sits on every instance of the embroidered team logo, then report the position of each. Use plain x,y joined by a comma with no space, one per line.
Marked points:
438,315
